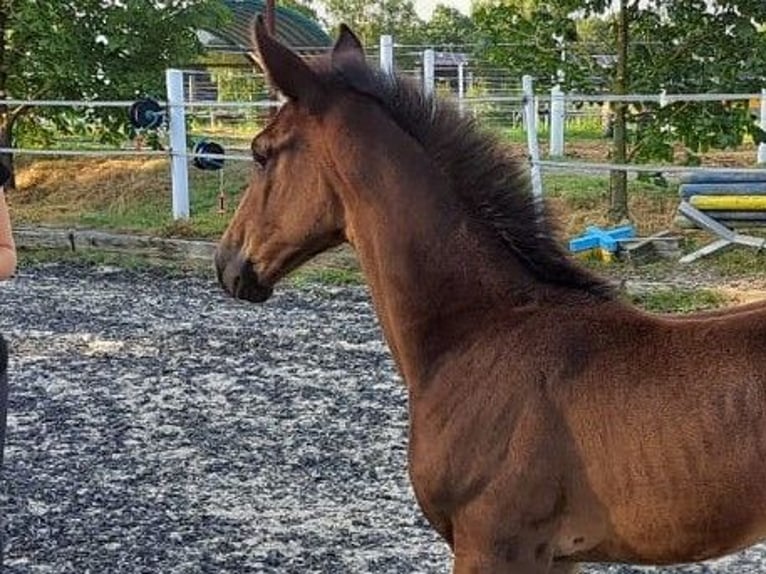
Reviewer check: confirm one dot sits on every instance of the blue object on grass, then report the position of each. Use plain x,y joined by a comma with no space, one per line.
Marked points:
596,237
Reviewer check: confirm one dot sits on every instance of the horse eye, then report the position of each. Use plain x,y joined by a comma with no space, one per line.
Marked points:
261,152
260,158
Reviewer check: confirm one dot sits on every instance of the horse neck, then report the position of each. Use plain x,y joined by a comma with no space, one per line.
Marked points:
433,271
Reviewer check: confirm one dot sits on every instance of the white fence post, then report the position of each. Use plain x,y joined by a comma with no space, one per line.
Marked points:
762,146
428,72
387,54
558,111
460,86
177,126
530,121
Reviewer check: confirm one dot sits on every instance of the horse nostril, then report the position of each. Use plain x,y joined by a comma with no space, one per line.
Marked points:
247,271
238,276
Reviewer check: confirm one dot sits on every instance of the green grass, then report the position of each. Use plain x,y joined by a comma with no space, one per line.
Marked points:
143,216
588,129
146,207
153,213
736,261
335,276
590,187
98,258
135,198
679,300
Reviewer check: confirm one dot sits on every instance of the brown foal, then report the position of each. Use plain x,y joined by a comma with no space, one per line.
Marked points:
551,422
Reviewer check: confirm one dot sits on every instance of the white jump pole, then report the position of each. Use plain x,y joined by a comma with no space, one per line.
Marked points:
429,58
558,112
762,146
387,54
530,122
177,127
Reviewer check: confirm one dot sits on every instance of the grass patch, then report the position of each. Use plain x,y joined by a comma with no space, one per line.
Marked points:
332,276
581,200
588,129
133,195
98,258
128,195
737,261
679,300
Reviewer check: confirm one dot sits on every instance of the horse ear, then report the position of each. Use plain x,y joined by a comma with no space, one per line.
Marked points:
348,60
347,49
284,68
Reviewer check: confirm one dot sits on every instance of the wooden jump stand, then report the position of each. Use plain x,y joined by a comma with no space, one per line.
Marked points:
719,201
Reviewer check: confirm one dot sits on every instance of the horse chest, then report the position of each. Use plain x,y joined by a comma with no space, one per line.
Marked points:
454,466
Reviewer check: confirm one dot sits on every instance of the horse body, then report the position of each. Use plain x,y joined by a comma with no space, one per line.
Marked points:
663,468
678,456
551,422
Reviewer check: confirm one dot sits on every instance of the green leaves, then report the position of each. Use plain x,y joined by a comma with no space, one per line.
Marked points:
90,49
370,20
527,37
680,46
449,26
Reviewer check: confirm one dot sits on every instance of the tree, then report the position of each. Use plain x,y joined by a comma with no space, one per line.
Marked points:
370,20
681,46
87,50
448,26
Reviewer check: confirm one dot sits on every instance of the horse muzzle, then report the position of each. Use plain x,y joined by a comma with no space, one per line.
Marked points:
238,277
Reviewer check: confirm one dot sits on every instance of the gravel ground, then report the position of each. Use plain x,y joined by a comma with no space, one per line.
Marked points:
158,426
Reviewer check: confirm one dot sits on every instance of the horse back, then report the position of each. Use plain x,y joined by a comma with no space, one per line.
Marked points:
667,418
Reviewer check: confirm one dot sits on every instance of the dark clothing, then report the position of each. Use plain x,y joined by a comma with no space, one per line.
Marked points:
3,420
3,393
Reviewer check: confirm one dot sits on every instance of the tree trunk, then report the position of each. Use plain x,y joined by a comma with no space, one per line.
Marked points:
6,139
618,208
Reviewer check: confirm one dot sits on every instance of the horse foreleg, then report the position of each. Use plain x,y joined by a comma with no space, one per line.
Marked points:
482,564
478,564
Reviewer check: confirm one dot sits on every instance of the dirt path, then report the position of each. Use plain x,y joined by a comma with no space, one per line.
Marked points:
157,426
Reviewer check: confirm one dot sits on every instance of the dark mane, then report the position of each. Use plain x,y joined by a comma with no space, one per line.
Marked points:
492,184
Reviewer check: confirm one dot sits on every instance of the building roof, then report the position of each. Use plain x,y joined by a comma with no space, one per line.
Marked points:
292,28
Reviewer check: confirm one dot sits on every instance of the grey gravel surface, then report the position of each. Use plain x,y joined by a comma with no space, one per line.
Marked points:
157,426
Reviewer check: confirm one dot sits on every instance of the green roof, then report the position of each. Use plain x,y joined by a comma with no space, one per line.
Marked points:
292,28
